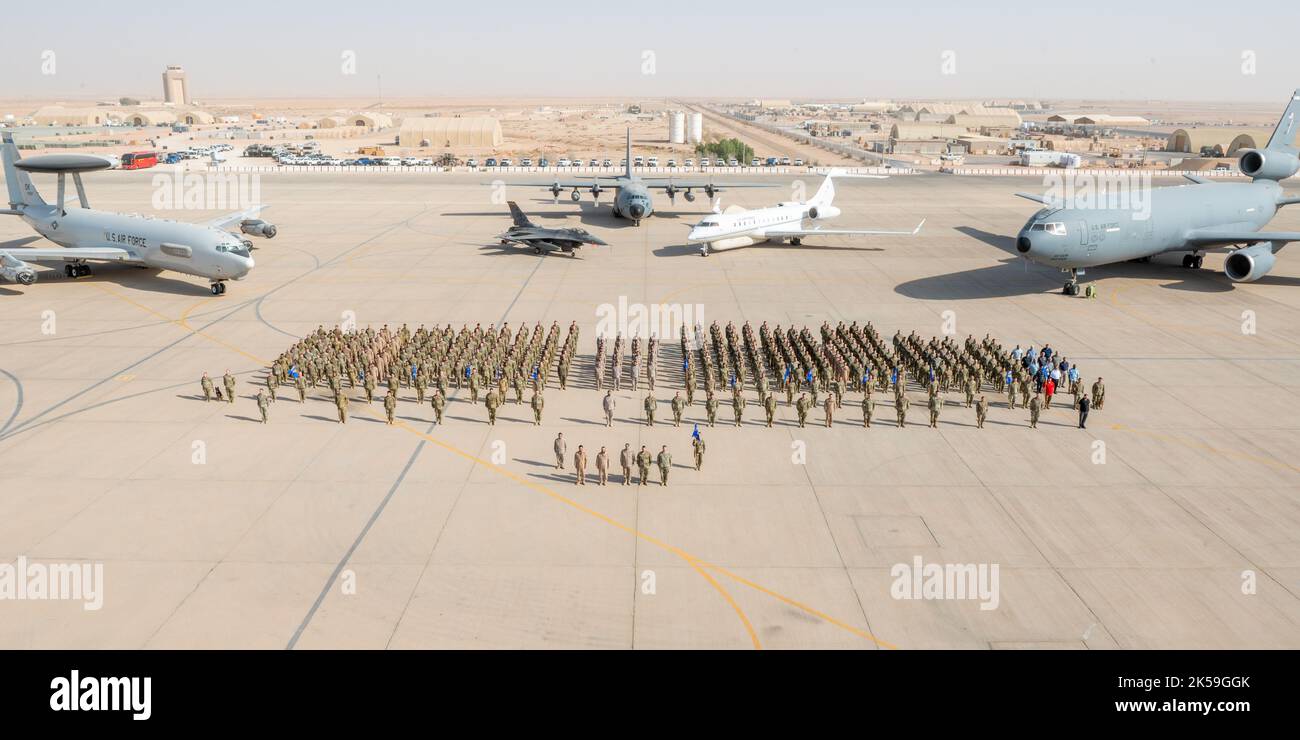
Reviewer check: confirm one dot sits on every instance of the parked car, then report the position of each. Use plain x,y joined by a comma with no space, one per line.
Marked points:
471,162
505,162
490,162
689,162
798,163
606,163
785,160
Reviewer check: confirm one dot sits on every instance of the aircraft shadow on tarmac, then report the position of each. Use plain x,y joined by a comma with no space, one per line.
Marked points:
1016,276
502,250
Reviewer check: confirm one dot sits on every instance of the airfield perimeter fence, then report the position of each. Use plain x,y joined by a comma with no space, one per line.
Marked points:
557,171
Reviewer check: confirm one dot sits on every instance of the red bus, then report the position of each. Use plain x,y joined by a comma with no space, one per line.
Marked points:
139,160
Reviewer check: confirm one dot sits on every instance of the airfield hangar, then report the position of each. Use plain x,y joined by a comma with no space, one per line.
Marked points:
1216,141
450,132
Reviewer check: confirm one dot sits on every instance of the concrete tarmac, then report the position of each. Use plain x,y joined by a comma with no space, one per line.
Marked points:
1170,522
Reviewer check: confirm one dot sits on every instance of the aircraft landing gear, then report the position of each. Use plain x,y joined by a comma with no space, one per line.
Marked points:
1072,287
218,288
704,250
537,250
76,270
1193,261
796,241
636,222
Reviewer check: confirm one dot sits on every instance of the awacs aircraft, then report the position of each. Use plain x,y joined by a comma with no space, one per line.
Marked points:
632,194
1188,218
738,227
525,233
86,235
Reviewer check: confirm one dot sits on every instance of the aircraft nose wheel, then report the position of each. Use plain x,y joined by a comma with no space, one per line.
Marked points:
1071,288
537,250
704,250
218,289
76,271
1193,261
796,241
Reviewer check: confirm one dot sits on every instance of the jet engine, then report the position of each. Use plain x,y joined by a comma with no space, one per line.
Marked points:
822,212
257,227
575,196
671,191
16,271
689,196
596,190
1249,264
1268,164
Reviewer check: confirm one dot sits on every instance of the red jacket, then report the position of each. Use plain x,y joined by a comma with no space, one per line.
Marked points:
1049,387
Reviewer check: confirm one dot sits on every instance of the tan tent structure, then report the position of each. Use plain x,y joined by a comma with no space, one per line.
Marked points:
444,132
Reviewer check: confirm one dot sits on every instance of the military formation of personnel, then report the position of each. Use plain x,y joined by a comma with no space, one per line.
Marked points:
812,371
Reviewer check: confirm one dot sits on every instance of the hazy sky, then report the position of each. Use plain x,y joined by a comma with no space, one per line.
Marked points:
830,48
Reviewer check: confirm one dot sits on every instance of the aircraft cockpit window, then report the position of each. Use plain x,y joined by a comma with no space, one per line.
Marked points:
1056,229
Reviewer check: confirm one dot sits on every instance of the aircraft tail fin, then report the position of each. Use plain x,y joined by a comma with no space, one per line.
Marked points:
826,193
1284,136
628,171
517,214
21,190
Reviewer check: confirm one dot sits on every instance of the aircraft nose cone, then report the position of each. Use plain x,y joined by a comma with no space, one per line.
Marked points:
636,210
1023,245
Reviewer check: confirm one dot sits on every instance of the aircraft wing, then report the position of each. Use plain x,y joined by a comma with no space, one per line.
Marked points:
1045,200
816,231
681,185
554,183
91,254
1222,237
222,222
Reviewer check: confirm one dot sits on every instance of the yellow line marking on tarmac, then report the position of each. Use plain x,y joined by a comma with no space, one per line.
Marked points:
700,566
693,560
696,563
183,323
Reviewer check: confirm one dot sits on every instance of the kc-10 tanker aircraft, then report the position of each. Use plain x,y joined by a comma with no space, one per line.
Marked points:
1188,218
